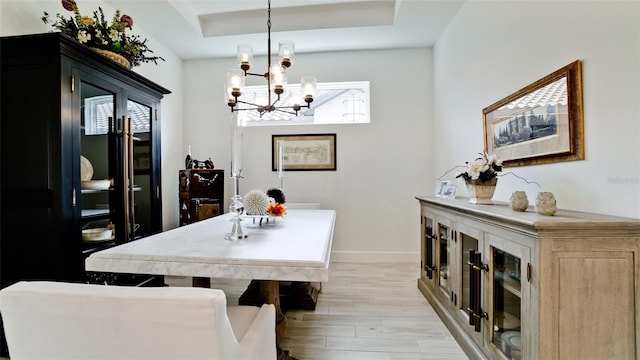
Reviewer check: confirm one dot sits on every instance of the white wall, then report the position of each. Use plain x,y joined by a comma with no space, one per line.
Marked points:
493,48
19,17
489,50
380,166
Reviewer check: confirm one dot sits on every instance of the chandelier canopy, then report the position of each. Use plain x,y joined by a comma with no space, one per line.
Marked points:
276,76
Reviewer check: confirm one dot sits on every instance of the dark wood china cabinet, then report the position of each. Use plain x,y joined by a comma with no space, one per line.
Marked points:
80,152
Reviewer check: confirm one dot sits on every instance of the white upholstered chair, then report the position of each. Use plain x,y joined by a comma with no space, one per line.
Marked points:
57,320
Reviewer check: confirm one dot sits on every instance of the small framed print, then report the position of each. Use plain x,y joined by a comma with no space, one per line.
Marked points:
441,187
449,191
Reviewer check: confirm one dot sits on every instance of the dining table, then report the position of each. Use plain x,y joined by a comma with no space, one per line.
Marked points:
293,248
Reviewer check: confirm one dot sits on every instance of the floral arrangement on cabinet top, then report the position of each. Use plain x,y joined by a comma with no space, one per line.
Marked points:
97,33
483,169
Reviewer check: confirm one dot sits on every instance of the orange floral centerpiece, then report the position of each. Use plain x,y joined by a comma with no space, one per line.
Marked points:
96,33
276,209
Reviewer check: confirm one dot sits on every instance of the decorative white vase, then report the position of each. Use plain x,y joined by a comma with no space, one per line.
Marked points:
546,203
519,201
481,192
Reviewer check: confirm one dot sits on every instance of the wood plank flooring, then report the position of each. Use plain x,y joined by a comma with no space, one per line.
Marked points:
365,311
370,311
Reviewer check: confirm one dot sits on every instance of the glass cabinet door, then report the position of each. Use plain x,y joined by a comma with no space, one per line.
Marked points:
506,303
468,243
469,284
508,297
118,190
140,217
429,250
97,110
444,256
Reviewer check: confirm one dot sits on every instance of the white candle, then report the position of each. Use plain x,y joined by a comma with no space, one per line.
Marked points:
236,147
280,158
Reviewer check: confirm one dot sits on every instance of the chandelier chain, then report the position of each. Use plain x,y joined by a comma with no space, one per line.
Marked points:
269,17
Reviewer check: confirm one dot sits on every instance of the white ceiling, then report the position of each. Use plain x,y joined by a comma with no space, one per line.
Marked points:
213,28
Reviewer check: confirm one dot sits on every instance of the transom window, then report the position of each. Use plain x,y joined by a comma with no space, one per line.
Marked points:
334,103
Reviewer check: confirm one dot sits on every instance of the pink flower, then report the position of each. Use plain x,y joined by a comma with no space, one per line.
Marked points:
69,5
126,19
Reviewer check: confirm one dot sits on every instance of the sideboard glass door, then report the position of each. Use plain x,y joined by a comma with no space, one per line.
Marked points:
509,302
468,243
470,282
429,260
444,248
506,304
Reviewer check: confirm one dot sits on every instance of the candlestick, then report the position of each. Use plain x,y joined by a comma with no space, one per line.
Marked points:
280,158
236,147
281,162
236,208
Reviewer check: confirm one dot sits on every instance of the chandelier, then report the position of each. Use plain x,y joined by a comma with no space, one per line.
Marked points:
276,77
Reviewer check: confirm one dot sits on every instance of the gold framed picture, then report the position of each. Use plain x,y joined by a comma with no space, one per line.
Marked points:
540,123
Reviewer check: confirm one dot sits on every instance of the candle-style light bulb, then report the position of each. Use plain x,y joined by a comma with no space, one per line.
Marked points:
308,85
286,51
278,78
235,83
245,57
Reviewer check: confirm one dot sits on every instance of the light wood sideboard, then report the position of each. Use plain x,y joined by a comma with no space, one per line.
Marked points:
520,285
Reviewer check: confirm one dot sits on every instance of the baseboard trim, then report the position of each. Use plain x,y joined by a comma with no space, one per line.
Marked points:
375,256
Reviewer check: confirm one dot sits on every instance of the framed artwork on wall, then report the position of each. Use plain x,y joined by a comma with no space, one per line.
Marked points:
540,123
303,152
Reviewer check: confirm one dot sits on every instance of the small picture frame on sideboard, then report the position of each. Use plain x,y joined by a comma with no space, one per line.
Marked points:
440,187
449,191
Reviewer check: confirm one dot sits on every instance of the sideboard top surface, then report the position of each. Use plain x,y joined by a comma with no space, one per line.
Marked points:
502,212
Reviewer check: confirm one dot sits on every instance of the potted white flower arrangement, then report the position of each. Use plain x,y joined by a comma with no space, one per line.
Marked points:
481,177
483,169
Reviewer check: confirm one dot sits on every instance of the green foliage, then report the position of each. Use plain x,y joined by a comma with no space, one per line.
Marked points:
97,32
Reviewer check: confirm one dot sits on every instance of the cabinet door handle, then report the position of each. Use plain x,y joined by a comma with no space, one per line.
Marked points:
429,245
130,193
73,197
475,289
472,287
127,178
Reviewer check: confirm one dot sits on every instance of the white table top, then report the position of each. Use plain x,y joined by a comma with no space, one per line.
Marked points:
294,248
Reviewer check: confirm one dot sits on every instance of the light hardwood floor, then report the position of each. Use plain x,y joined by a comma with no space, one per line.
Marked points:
365,311
370,311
